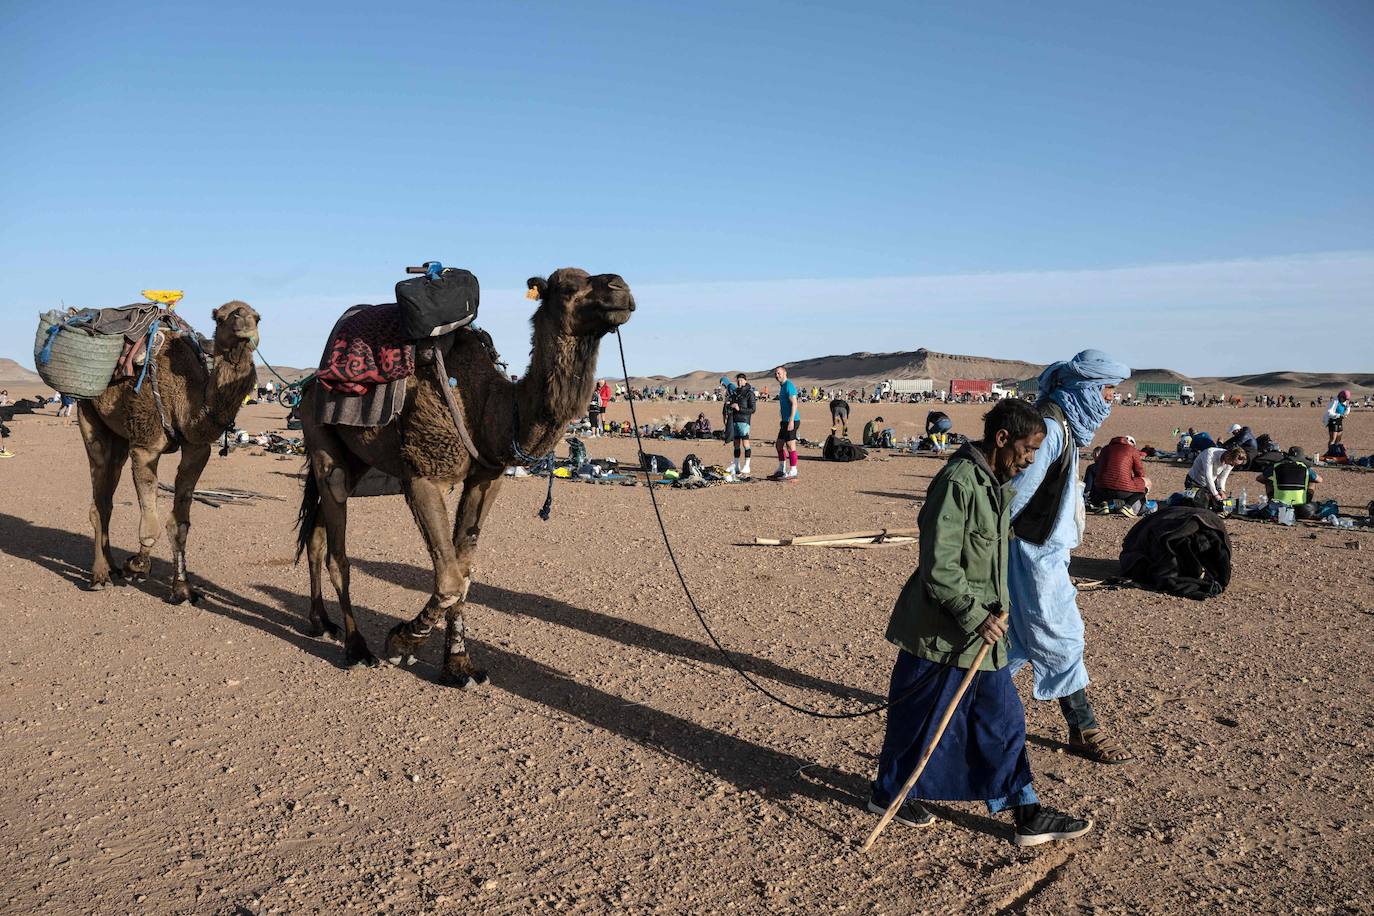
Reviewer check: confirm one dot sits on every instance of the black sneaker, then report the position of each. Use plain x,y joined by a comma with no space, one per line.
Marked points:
911,813
1044,825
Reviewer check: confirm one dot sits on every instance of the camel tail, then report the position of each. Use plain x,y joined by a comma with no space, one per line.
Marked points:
308,517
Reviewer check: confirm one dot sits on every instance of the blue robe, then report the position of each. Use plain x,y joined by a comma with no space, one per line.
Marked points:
1046,628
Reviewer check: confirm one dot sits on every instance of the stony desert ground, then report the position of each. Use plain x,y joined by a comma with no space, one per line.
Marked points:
211,759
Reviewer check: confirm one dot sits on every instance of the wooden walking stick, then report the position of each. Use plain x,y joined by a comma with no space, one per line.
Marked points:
900,797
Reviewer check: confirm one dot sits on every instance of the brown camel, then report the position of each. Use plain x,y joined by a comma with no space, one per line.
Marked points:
424,448
197,406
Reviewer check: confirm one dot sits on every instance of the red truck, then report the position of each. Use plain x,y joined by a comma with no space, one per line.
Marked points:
958,387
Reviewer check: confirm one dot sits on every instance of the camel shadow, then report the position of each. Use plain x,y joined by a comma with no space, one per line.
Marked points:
626,632
69,554
748,766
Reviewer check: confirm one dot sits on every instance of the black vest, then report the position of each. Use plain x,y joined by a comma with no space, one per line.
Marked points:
1036,520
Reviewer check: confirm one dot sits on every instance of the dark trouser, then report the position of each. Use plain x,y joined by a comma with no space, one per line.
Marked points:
1128,497
1078,712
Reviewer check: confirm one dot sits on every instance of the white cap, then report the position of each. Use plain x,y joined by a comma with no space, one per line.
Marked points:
1131,439
1235,427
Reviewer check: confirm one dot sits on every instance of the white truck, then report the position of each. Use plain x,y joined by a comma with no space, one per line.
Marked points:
905,386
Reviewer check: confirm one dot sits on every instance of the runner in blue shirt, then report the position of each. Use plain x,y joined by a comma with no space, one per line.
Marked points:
787,430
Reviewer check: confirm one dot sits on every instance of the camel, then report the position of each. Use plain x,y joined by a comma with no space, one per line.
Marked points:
197,405
424,447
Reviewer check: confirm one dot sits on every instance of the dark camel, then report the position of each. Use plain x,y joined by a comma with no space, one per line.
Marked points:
122,423
422,447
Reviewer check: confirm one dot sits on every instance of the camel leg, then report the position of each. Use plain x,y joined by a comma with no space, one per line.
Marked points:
106,453
193,460
144,465
335,484
476,502
319,623
426,500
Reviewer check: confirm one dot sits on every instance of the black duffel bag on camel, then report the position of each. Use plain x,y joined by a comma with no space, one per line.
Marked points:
442,300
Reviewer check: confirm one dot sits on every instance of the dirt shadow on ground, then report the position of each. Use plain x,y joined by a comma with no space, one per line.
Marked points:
69,555
627,632
904,497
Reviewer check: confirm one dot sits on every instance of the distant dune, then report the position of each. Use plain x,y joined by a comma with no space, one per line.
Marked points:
857,370
15,374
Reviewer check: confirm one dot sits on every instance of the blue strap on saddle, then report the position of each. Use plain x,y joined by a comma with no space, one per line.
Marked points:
147,355
82,317
433,269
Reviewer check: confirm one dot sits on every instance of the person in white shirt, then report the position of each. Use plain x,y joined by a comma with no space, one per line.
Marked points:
1211,469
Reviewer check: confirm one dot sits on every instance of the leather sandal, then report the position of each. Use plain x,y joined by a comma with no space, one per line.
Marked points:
1097,745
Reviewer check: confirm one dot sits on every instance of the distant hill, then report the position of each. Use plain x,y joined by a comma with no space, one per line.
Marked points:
859,370
1326,382
291,375
15,374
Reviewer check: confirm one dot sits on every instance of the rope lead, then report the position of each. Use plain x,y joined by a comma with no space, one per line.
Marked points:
748,679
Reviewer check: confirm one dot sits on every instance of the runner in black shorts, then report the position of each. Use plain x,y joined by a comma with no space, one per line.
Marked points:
788,435
839,417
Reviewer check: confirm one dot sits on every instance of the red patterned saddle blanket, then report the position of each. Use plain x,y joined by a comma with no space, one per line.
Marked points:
366,348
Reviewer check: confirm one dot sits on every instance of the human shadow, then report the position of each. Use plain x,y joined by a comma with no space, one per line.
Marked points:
69,554
627,632
1094,567
969,821
905,497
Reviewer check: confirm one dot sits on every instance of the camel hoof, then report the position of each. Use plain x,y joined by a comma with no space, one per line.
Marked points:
466,680
401,645
317,629
365,660
183,593
98,585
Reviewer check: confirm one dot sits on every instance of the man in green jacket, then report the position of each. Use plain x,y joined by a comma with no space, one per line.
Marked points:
950,607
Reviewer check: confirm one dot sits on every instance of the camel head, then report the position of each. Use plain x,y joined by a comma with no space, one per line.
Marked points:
236,323
582,305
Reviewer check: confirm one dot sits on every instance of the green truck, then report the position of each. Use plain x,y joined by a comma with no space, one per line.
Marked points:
1153,392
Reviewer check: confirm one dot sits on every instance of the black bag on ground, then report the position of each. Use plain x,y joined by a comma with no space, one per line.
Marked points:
1265,460
646,460
837,448
431,308
1180,550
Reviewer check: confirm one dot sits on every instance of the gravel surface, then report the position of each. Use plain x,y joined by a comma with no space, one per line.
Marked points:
210,759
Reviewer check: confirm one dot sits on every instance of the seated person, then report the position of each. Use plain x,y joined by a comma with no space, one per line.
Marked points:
1291,481
1200,442
702,427
1120,475
938,425
1210,471
1090,475
875,438
1241,437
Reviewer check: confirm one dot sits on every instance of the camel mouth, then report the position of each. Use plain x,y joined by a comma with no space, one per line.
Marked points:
617,315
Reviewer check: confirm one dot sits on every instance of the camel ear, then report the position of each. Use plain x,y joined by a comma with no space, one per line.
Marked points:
538,288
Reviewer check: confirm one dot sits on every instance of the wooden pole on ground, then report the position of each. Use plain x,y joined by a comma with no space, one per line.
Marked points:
900,797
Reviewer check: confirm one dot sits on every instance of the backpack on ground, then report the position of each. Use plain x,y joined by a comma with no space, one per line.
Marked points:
838,448
577,451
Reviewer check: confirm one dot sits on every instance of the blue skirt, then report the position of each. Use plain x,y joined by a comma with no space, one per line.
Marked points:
982,755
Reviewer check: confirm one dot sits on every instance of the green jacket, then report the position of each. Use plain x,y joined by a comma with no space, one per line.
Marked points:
964,528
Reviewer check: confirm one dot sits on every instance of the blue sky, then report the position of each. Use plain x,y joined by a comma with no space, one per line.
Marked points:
776,181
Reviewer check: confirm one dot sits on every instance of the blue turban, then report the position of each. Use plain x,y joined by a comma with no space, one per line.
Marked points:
1076,386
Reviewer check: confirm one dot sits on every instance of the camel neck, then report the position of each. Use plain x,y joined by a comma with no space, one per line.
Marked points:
556,389
231,379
